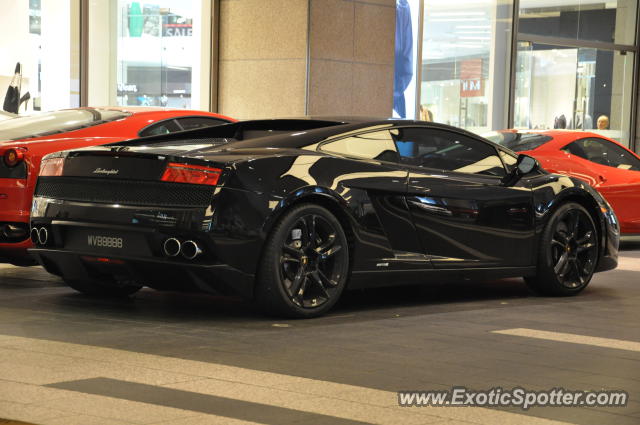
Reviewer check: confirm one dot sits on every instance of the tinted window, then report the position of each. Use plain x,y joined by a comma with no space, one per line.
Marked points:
518,142
446,150
56,122
17,172
604,152
159,128
189,123
509,160
378,145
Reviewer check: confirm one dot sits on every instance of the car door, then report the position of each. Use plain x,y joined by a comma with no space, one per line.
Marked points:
615,172
464,215
375,186
606,162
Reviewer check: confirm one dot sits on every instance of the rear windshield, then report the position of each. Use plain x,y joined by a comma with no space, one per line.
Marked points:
56,122
518,142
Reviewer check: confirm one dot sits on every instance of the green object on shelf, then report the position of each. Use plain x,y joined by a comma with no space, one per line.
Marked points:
136,20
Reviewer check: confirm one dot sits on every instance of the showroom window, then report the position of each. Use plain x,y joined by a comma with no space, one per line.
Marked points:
159,53
462,55
583,52
591,89
44,37
487,65
611,21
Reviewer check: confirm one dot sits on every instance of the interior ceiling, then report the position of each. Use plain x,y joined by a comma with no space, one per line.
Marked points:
441,5
465,27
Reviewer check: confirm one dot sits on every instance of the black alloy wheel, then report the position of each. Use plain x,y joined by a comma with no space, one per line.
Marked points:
568,253
305,265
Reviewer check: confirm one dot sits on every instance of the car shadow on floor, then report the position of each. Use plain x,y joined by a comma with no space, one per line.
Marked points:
171,308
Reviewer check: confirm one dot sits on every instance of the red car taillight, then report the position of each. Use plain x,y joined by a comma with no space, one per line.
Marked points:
52,167
13,157
193,174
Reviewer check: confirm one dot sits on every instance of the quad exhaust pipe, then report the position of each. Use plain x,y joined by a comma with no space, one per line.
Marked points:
43,236
40,235
172,247
190,250
34,235
13,231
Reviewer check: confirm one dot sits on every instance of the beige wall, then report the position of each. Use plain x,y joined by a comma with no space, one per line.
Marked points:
297,57
351,57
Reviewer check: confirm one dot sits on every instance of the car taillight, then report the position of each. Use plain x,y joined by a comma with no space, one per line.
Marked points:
13,157
52,167
193,174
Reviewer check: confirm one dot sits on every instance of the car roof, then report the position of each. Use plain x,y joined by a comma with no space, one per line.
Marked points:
143,109
287,132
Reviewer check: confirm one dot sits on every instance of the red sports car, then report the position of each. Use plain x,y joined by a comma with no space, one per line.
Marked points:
604,163
25,140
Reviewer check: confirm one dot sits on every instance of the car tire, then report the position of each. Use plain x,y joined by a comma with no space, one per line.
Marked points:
96,288
567,254
305,264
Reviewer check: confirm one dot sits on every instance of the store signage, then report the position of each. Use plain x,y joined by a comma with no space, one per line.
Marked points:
471,81
177,30
127,88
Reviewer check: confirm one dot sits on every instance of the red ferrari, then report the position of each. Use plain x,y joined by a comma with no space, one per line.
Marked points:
604,163
25,140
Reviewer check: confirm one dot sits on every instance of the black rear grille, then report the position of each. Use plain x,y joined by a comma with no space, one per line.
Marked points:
126,192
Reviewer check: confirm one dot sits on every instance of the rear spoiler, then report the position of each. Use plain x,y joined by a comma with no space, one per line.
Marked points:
242,130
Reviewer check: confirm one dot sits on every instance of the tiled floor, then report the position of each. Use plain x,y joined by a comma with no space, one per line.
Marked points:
167,358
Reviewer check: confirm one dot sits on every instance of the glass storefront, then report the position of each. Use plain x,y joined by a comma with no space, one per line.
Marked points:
465,54
147,53
573,64
582,52
611,21
43,36
159,52
573,88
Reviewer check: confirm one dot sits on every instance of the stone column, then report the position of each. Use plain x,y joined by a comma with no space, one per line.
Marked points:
351,55
296,57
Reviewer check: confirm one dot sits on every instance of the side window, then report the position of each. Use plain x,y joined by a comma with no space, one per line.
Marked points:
190,123
509,160
604,152
162,127
444,150
374,145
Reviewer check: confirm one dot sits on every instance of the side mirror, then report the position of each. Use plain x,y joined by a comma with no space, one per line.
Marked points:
525,165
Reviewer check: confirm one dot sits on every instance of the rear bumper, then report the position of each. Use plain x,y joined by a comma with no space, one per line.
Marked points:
14,209
17,252
157,273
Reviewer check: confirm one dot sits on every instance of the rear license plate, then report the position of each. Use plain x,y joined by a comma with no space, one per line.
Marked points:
106,242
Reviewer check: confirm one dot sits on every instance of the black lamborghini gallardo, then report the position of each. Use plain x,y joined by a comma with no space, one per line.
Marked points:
291,212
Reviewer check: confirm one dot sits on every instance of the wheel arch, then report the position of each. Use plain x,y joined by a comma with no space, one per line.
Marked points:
324,197
590,204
